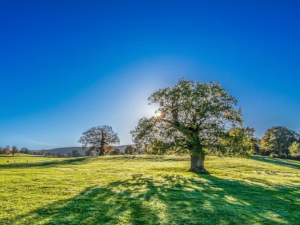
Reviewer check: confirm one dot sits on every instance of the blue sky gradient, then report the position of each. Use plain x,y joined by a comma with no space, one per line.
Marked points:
66,66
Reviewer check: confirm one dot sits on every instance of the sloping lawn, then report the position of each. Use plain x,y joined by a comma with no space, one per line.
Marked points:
148,190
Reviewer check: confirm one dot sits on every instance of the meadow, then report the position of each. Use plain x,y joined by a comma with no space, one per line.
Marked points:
148,190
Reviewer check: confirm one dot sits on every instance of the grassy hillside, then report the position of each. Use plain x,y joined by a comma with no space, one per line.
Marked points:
148,190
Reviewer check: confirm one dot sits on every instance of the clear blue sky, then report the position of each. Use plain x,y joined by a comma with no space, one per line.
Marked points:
66,66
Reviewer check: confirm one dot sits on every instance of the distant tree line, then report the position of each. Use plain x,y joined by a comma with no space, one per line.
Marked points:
108,150
73,153
12,150
279,142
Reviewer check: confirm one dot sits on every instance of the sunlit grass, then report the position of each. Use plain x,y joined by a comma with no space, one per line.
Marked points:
148,190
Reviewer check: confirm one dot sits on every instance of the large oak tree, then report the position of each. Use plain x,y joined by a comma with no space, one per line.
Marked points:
193,117
97,138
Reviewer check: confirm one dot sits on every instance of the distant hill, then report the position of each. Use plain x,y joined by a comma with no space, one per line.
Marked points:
65,150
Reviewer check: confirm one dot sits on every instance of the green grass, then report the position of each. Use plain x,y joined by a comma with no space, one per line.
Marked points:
148,190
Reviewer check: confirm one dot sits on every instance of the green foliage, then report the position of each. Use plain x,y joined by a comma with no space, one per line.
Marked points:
116,151
6,150
14,150
130,150
75,153
237,142
295,149
277,141
96,138
159,147
192,117
158,190
24,150
256,145
43,152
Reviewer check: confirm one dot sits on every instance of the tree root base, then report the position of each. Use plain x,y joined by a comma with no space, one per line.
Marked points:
199,170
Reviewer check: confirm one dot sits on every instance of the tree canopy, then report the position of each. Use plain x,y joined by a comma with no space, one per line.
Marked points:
277,141
14,150
192,117
97,138
295,149
24,150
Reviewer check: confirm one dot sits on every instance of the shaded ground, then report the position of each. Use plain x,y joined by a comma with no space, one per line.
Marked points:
10,164
276,161
118,190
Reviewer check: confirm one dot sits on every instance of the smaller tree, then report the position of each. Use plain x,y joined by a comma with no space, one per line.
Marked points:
277,141
130,150
254,140
88,151
14,150
116,151
75,153
1,150
295,149
108,149
6,150
97,138
256,145
43,152
24,150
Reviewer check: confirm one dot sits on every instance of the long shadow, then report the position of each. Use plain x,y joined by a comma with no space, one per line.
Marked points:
80,160
148,158
171,200
49,163
276,161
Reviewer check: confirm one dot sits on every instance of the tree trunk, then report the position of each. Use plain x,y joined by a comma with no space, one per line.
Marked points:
101,152
102,148
102,144
197,163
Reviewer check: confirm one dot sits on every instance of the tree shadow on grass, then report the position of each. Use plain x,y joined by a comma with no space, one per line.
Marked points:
170,200
47,163
277,161
79,160
156,158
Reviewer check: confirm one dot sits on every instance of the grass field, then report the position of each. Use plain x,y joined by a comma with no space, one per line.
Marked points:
148,190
